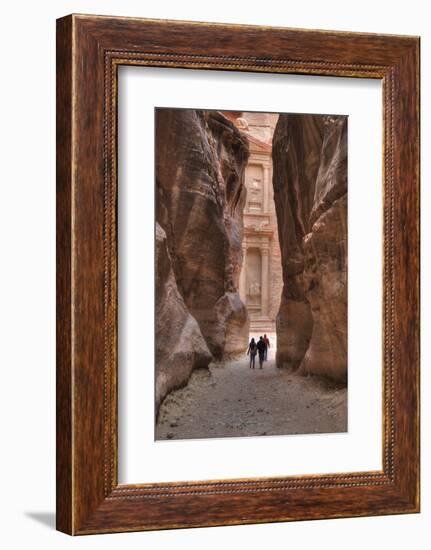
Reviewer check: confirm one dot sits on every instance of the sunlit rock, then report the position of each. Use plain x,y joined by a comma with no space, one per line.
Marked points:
310,192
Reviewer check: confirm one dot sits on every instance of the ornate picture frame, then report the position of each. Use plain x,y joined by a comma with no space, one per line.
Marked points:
89,51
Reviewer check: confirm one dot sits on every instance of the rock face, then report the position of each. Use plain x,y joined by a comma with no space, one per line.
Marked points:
200,162
180,346
310,193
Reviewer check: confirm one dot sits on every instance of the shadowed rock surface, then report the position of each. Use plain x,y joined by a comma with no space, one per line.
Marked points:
180,346
310,193
200,162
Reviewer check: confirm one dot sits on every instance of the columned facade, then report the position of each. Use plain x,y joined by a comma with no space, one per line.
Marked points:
260,283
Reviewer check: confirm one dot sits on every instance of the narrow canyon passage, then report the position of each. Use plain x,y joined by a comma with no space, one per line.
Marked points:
251,238
230,399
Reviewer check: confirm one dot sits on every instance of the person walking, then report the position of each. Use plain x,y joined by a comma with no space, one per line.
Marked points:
267,344
261,349
252,351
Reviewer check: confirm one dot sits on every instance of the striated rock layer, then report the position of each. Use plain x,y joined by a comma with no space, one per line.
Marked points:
310,193
200,162
180,346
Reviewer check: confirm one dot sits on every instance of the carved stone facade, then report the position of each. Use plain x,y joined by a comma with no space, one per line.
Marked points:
261,279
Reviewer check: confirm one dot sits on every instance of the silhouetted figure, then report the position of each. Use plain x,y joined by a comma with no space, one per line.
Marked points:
266,340
261,347
252,351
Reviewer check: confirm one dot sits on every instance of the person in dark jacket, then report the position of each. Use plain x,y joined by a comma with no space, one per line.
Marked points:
252,351
266,340
261,347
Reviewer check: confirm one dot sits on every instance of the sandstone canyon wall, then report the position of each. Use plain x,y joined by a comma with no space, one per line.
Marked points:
310,193
200,194
180,346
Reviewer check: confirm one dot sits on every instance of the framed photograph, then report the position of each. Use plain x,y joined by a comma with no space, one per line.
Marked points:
237,274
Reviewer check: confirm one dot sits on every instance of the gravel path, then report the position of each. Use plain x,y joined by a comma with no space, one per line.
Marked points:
230,399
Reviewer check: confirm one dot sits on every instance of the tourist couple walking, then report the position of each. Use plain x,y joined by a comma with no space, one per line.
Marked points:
261,347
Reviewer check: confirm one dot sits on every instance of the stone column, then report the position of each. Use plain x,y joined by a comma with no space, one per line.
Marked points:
243,276
265,281
265,188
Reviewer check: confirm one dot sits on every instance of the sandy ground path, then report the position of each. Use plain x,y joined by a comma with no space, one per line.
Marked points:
233,400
